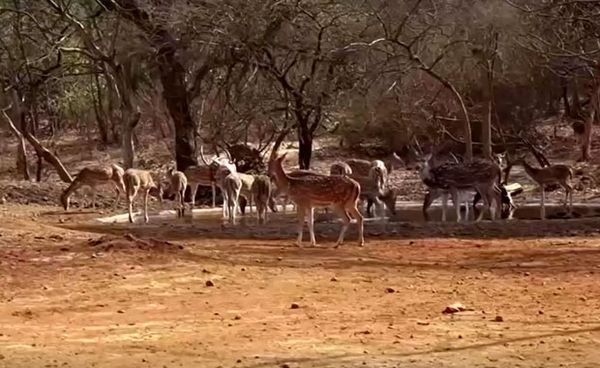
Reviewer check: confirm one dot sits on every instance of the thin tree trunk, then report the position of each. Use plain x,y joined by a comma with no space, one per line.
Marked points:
127,144
305,144
21,163
99,110
586,142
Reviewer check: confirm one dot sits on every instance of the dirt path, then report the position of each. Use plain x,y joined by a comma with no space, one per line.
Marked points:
77,294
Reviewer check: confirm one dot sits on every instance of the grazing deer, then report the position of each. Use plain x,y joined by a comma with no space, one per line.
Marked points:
553,174
136,180
372,189
479,175
362,167
177,184
340,168
93,176
261,194
231,186
338,192
434,191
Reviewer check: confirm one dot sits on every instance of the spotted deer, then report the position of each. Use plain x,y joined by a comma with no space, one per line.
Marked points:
338,192
479,175
553,174
137,180
93,176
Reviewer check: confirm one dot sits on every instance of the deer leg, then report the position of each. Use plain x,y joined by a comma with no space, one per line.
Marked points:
225,206
427,201
465,200
355,213
130,207
344,216
569,197
214,194
311,226
379,208
300,215
444,205
93,189
493,203
146,192
118,196
456,201
542,209
193,203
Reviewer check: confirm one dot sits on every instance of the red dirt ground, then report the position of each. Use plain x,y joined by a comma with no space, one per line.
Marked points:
78,294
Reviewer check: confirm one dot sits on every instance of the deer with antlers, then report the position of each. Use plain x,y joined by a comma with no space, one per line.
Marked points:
480,175
338,192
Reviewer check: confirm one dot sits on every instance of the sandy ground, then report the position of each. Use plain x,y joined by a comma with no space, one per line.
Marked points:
76,293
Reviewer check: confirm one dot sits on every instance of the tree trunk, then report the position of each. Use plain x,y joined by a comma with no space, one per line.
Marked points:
172,76
21,163
130,121
466,123
586,142
99,110
486,126
50,158
305,143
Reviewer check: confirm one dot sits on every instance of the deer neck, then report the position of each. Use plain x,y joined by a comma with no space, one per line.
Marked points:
530,169
282,179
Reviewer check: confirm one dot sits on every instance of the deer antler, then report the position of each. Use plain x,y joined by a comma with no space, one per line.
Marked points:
202,155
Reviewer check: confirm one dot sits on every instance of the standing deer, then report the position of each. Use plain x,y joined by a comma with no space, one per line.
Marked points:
136,180
553,174
231,186
177,184
261,194
479,175
93,176
338,192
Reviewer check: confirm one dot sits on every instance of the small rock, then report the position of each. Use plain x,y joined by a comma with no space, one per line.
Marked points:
571,340
120,311
64,249
583,298
333,279
390,290
279,258
284,365
526,273
209,283
498,319
460,336
294,306
238,361
540,312
455,308
204,270
237,318
423,323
